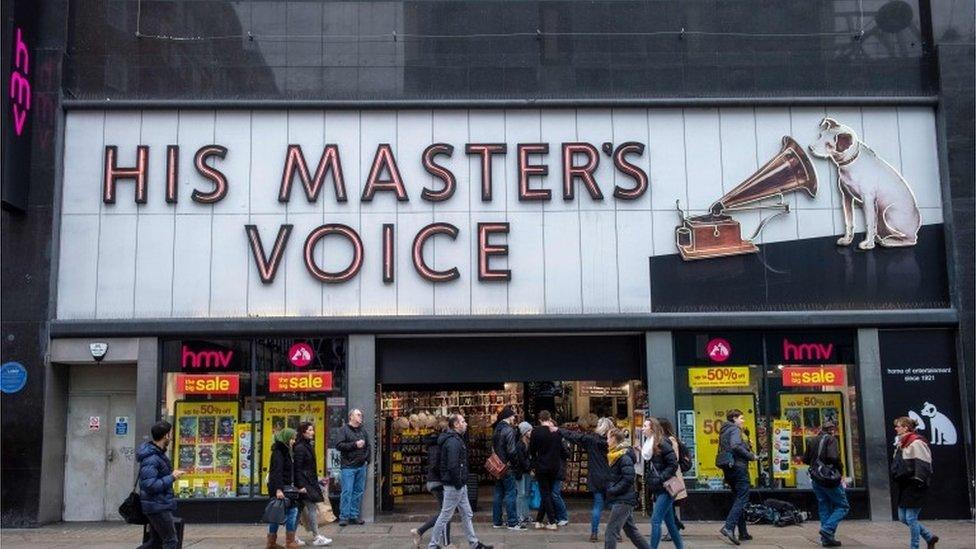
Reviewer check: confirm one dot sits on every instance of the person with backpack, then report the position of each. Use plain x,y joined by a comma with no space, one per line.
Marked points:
434,484
595,444
684,464
822,454
662,464
503,443
453,466
307,477
156,477
621,492
911,469
734,455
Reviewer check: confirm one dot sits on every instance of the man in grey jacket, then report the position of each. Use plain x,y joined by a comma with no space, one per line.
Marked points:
736,474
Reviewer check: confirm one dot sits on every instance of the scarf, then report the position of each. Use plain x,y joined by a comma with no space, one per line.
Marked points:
908,438
284,435
615,453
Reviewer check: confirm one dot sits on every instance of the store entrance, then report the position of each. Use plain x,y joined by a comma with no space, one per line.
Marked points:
577,378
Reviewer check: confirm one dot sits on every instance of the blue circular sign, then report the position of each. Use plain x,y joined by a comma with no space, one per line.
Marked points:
13,377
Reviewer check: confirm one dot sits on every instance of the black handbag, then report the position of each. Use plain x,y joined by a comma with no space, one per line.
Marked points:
290,491
131,508
274,511
824,474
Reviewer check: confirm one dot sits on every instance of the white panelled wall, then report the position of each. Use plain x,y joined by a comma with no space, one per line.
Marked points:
161,260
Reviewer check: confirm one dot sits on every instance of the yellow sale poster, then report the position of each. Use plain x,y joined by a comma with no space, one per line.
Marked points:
718,376
710,411
278,414
205,447
806,412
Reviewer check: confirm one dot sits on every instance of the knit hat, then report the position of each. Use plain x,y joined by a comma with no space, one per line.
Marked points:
506,413
284,435
525,428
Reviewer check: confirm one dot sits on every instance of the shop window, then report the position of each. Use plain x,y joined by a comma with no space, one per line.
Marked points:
787,384
224,396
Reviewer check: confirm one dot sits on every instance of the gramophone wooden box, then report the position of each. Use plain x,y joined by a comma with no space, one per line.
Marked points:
710,235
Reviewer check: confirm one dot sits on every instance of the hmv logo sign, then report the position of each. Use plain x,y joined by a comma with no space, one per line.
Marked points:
807,351
205,359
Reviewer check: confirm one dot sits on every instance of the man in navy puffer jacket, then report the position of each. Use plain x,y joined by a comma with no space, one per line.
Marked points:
156,476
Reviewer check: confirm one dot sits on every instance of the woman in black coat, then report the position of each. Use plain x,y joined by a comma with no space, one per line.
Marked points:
307,478
595,444
662,464
621,494
281,475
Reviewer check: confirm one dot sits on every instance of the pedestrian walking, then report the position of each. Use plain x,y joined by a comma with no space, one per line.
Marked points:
911,468
734,455
684,464
545,453
523,473
621,491
822,454
453,464
281,478
434,483
307,478
354,452
504,511
595,444
662,464
156,477
558,503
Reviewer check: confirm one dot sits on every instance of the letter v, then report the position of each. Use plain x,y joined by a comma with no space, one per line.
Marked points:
224,358
267,267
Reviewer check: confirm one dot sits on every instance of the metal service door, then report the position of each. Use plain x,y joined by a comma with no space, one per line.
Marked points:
100,462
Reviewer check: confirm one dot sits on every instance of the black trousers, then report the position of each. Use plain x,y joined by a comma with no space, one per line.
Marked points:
548,508
162,532
439,494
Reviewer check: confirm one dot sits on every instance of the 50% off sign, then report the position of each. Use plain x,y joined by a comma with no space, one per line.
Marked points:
720,376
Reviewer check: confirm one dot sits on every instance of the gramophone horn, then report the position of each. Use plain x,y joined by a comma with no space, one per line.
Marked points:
790,170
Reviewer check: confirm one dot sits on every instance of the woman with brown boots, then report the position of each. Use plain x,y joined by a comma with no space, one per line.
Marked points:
281,483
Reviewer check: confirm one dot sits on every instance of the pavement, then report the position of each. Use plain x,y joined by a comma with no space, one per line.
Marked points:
396,535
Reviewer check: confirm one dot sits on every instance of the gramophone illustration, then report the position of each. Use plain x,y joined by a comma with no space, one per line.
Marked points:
716,234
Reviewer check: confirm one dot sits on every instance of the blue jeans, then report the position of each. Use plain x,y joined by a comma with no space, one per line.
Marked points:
291,520
523,492
558,503
833,506
505,492
598,500
353,485
664,512
738,479
909,517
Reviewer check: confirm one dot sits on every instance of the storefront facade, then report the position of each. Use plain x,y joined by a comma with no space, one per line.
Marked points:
235,267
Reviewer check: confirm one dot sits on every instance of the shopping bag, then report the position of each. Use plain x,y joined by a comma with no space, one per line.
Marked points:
325,514
274,512
535,496
131,508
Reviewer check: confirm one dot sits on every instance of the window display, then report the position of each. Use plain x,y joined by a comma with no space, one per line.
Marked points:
786,384
224,396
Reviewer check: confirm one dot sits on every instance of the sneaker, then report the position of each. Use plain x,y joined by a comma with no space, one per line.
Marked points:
343,522
357,521
483,546
665,537
551,526
415,534
594,538
930,544
537,525
831,543
299,541
321,541
517,528
497,526
728,536
563,522
744,537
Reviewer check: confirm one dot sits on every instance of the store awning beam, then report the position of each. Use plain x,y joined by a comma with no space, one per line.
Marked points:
185,327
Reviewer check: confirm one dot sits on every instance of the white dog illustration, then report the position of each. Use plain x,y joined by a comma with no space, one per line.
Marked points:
891,214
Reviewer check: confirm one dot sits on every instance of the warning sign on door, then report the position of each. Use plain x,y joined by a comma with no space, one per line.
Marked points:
94,423
121,425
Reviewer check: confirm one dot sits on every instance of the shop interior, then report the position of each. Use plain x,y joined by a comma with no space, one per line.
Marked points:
409,413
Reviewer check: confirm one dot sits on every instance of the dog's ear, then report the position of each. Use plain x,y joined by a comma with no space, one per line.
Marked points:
843,142
828,123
